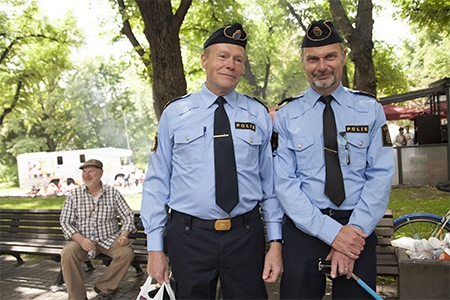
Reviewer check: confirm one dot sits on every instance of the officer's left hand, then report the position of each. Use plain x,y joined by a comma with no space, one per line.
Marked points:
273,264
341,264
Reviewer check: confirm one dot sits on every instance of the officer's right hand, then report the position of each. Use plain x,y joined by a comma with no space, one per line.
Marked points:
350,241
158,266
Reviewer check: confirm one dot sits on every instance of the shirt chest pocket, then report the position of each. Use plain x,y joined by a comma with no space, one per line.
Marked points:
106,212
306,152
189,146
357,149
247,144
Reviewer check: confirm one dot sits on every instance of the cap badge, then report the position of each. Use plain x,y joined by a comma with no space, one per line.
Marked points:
317,31
237,35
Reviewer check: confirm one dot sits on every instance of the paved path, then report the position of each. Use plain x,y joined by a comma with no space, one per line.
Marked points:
34,280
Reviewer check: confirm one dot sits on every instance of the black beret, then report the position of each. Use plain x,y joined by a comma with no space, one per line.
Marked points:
228,34
321,33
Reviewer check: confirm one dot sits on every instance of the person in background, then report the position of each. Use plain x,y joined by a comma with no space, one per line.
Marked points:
409,136
213,225
89,222
400,139
333,172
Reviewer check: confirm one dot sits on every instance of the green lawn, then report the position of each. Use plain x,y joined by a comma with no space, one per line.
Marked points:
403,201
134,201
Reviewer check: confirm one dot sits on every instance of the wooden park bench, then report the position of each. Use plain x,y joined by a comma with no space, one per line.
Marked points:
387,262
38,232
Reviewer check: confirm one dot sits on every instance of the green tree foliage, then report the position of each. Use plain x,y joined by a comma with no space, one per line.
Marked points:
425,55
426,58
52,104
431,14
391,79
34,52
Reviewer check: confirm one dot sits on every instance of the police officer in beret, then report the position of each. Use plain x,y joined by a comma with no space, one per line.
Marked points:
333,171
206,238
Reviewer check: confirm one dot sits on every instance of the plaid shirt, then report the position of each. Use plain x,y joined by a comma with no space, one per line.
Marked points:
80,214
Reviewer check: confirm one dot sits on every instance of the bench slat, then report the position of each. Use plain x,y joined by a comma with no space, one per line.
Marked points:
38,232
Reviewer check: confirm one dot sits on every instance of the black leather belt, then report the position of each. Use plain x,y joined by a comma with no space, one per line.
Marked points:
337,214
220,225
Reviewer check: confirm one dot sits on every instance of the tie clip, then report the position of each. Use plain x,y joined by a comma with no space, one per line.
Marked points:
331,150
221,135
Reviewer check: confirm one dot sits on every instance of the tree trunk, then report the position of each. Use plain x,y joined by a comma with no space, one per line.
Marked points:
360,42
162,32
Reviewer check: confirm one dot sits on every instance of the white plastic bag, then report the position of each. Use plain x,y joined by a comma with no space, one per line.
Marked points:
151,291
404,243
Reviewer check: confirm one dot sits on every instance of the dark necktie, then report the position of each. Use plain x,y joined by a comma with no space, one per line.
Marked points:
334,184
227,195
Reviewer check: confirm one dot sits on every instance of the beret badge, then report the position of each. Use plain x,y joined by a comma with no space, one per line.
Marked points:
237,35
317,31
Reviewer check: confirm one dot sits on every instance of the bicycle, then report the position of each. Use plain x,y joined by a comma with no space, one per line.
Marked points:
424,225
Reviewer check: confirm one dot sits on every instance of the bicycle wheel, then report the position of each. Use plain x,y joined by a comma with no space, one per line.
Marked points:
419,226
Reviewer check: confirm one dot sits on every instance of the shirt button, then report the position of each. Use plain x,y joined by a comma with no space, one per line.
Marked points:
299,146
251,140
360,143
187,138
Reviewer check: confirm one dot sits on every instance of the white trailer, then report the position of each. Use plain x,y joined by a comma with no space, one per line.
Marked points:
36,167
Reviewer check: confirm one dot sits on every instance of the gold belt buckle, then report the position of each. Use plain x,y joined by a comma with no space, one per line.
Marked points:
222,225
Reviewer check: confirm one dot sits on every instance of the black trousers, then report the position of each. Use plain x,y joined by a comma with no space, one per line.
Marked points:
303,280
200,256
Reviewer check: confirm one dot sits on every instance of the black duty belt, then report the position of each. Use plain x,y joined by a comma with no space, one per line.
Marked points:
337,214
220,225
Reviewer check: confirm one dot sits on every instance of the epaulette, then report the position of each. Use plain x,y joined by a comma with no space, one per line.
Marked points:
257,100
287,100
364,94
173,100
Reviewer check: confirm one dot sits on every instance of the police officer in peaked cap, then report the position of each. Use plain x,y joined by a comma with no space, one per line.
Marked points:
333,172
213,230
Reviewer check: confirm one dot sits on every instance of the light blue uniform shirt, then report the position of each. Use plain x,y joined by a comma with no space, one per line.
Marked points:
300,164
180,172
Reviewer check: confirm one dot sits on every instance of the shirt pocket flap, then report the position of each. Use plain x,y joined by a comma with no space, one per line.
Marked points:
300,143
188,136
359,141
249,137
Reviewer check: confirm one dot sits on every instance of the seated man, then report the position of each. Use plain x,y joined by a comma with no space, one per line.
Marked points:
90,212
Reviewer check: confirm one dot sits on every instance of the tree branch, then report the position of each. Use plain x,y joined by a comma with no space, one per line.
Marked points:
17,40
5,53
342,21
6,111
181,12
295,15
128,32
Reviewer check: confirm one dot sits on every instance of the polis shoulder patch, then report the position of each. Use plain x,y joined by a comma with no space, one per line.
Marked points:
386,136
173,100
257,100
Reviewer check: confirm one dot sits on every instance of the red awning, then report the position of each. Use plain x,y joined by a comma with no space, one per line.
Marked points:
397,112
